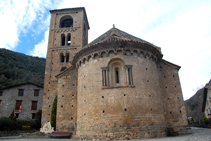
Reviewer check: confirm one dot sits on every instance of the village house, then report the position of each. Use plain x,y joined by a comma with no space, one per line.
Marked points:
24,98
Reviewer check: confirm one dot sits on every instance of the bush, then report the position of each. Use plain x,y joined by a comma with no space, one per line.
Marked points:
53,113
205,120
6,124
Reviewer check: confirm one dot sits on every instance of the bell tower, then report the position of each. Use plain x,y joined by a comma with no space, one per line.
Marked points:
68,33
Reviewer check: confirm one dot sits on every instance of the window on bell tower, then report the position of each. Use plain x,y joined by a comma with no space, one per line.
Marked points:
68,39
66,21
62,40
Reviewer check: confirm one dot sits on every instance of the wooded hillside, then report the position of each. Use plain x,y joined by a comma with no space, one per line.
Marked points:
17,68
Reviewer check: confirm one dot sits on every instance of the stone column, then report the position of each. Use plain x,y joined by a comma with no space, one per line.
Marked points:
105,81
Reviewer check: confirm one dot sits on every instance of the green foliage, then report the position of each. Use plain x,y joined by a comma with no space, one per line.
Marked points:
13,119
18,68
37,121
6,124
205,120
53,113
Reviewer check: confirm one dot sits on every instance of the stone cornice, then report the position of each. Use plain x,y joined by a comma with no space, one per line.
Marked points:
60,30
140,48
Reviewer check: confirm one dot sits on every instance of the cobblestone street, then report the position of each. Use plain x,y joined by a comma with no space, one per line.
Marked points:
199,134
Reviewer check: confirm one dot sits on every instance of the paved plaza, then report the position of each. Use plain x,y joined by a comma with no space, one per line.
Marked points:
199,134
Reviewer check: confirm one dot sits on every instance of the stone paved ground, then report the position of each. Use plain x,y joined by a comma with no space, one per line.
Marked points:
199,134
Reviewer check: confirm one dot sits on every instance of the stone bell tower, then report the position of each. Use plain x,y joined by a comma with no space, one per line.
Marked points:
68,33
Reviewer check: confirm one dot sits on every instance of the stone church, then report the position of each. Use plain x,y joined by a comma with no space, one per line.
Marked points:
117,87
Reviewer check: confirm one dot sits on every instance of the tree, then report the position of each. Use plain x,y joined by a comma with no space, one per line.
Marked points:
53,113
13,119
37,121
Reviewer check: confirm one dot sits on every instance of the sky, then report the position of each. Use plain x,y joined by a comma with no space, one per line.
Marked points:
182,28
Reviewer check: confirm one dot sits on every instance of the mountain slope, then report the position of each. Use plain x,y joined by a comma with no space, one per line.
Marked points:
17,68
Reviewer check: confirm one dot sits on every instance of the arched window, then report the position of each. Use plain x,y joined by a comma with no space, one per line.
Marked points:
62,57
117,74
67,57
66,21
62,40
68,39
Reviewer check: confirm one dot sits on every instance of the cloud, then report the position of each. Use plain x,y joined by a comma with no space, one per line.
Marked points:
40,49
185,41
18,18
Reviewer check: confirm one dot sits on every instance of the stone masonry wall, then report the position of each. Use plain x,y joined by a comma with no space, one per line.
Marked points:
119,112
66,102
175,113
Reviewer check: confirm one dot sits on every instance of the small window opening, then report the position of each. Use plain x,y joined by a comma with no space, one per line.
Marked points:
36,92
72,95
72,105
72,118
68,39
170,112
49,105
117,75
173,75
62,96
67,23
175,86
124,94
33,115
34,105
62,40
103,111
67,57
151,109
62,58
125,109
166,87
62,106
180,111
102,96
